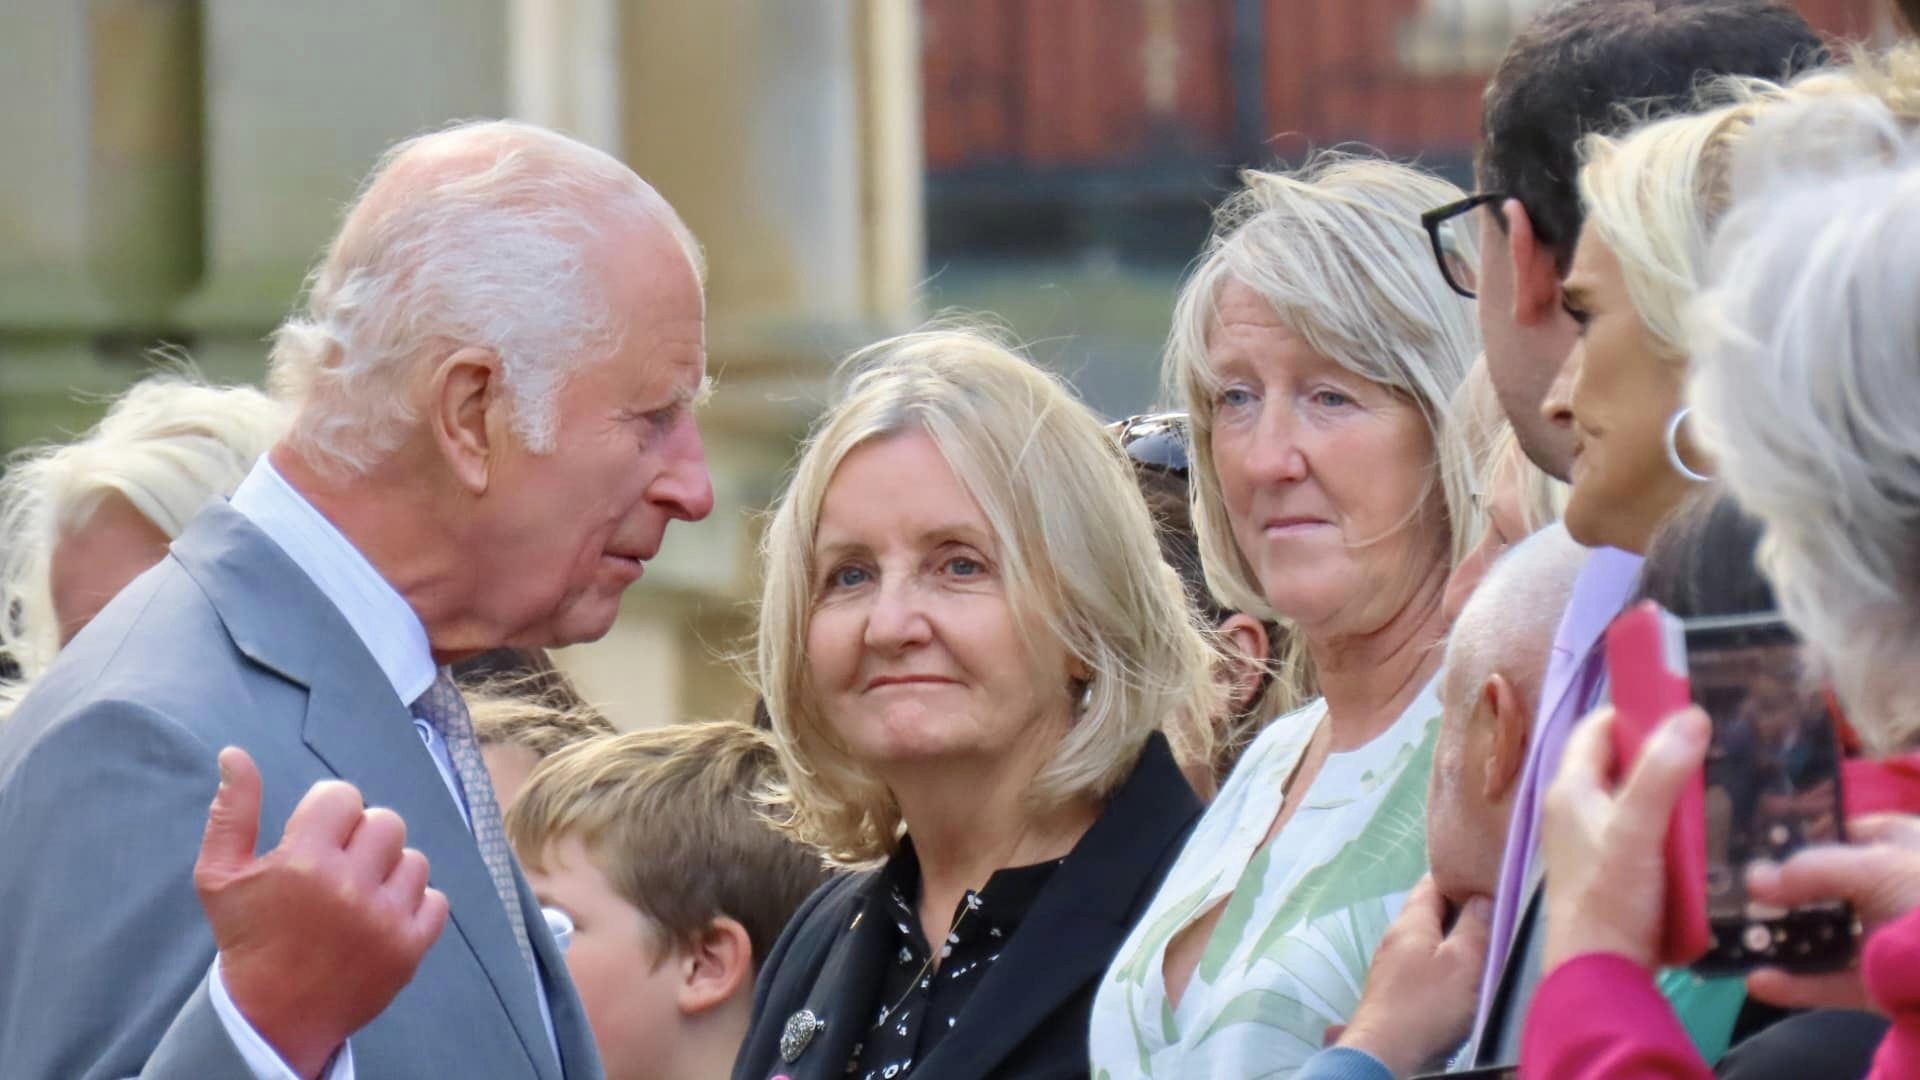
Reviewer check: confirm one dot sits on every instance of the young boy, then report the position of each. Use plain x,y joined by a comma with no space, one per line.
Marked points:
652,845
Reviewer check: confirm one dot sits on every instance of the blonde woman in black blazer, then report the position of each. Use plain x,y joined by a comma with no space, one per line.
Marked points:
985,683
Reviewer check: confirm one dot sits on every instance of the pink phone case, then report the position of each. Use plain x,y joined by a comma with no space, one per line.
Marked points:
1647,668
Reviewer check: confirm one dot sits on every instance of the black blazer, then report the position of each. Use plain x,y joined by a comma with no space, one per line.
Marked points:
1029,1015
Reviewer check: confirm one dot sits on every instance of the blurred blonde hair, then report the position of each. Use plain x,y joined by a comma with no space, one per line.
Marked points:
1498,457
513,713
1338,250
169,445
1542,498
1074,544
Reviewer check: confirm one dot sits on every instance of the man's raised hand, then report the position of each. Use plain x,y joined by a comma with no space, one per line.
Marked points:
317,936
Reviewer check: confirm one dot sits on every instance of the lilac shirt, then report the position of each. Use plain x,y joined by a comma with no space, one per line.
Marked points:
1573,686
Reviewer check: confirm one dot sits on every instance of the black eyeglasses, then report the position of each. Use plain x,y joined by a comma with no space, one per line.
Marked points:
1456,251
1156,440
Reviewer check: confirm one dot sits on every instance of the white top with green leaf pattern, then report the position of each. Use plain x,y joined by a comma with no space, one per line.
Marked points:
1304,913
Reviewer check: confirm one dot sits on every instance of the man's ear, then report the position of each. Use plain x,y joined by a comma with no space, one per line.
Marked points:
1536,277
1248,651
466,401
716,967
1510,728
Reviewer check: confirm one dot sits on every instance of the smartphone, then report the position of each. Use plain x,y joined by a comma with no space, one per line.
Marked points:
1772,787
1647,660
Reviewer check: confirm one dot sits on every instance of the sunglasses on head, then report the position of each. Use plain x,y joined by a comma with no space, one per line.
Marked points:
1155,440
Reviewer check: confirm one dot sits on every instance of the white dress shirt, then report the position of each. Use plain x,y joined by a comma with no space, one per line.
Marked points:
391,631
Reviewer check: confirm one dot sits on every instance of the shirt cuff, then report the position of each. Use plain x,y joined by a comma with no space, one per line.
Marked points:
1344,1063
263,1060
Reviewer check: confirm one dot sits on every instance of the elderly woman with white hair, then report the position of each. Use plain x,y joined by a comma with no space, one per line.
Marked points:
1317,353
1807,378
80,520
983,681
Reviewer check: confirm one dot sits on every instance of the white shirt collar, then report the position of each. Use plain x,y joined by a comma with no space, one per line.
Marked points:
378,614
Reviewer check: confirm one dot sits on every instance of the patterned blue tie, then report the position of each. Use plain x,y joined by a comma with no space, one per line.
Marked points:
445,709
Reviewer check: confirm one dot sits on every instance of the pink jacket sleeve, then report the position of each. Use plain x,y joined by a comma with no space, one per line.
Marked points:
1599,1017
1891,968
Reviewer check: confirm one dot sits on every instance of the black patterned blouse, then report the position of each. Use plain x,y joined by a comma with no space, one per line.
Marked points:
918,1002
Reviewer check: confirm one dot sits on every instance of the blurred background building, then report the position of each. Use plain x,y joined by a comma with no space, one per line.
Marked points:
173,167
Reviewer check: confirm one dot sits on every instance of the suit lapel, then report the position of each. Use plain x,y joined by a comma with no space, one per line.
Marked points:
847,983
363,733
579,1057
372,742
1056,952
1077,923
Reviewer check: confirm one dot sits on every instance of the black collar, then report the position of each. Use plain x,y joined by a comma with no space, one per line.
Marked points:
1062,948
1078,922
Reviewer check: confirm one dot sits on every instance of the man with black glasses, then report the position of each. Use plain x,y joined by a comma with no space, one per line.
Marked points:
1580,67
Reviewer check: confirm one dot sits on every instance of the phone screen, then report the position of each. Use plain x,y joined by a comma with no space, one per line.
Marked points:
1772,788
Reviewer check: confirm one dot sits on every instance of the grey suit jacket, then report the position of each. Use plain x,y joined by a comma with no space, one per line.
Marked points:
106,772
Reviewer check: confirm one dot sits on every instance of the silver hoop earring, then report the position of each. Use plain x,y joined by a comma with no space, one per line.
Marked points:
1673,447
1086,697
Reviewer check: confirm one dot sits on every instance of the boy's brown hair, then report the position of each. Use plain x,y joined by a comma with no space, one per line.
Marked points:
674,817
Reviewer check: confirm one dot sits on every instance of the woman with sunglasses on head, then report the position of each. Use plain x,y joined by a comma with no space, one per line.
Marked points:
1317,348
1157,446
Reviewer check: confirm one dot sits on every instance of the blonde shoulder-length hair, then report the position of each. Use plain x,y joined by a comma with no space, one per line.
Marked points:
1074,543
1338,250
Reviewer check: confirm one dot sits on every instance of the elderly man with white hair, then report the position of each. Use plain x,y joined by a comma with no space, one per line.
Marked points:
1421,990
491,385
1497,657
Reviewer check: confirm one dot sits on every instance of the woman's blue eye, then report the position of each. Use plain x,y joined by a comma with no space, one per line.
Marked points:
1332,398
962,566
847,577
1234,396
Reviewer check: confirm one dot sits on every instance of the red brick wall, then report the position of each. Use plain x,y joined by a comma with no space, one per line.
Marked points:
1050,83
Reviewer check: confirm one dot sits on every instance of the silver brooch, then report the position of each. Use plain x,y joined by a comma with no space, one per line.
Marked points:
801,1028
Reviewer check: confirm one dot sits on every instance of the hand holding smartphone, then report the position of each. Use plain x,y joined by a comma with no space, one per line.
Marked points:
1771,784
1647,670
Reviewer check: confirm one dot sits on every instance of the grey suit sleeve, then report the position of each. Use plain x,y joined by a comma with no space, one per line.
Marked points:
196,1044
103,945
263,1061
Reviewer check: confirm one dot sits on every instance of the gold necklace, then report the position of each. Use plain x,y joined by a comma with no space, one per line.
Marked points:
972,901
